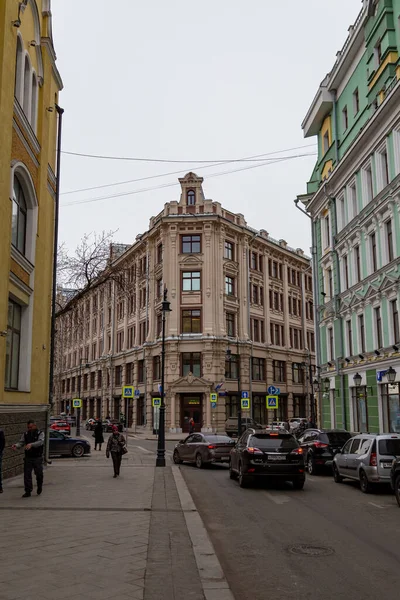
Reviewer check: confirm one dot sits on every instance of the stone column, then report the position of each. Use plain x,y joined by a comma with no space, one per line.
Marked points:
172,402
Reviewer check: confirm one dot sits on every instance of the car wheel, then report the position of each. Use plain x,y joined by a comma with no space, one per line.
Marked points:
298,484
311,466
78,451
242,479
397,489
199,461
364,483
337,478
232,474
176,458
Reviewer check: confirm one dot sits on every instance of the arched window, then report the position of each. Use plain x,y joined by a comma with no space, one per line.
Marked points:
33,118
18,233
19,71
191,198
27,88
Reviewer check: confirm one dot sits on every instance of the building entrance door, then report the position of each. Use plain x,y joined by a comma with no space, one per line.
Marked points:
191,408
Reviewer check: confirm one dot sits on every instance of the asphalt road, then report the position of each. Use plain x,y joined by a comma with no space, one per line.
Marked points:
257,534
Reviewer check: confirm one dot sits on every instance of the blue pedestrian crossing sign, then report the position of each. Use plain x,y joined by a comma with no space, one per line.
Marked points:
156,402
127,391
245,403
272,402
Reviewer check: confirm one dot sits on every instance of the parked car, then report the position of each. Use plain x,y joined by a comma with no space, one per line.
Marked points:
61,426
395,478
320,447
294,422
62,445
203,449
273,455
367,458
109,423
231,425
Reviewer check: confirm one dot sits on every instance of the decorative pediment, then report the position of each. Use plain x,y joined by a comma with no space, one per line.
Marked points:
190,383
387,282
355,299
190,260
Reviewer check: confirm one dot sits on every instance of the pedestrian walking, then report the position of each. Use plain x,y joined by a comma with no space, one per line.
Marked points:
116,446
98,435
310,423
191,425
2,446
33,442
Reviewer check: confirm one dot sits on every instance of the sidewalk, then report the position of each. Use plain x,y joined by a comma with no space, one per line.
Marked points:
89,536
148,435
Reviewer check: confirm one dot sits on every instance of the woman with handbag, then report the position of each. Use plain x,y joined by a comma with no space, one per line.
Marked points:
116,446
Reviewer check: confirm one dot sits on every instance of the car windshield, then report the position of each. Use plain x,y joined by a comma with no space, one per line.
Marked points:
286,442
335,437
219,439
61,424
389,447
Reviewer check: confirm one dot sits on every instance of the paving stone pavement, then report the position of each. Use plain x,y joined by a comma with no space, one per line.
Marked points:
90,536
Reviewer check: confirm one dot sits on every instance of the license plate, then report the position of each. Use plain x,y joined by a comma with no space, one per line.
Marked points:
276,458
387,465
224,457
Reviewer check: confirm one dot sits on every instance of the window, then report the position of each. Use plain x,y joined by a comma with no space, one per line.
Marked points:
341,213
297,373
26,103
368,185
156,368
159,288
295,338
378,54
94,351
255,294
191,198
131,337
389,238
277,334
309,310
372,239
140,371
349,338
357,263
356,101
346,271
325,142
19,217
191,363
159,325
331,344
229,286
353,202
191,244
131,304
85,381
191,281
229,250
231,366
345,118
159,253
230,324
13,345
191,321
330,283
92,380
279,371
361,328
395,322
120,341
120,310
143,331
384,168
275,269
253,261
327,232
258,369
128,373
378,327
257,330
311,341
99,380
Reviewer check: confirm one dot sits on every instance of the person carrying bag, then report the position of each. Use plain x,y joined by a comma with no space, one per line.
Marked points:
116,447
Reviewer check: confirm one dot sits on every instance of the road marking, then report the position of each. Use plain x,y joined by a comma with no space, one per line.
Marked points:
145,450
278,498
376,505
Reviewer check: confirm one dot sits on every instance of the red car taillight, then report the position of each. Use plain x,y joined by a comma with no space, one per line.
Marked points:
373,461
320,445
211,447
254,450
297,451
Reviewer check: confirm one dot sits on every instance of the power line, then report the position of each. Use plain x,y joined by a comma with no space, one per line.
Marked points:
172,184
164,160
248,158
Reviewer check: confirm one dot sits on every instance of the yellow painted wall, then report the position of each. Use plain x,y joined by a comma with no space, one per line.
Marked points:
327,127
390,59
12,148
327,170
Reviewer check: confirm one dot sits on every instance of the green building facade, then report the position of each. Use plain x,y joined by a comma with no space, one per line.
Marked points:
353,199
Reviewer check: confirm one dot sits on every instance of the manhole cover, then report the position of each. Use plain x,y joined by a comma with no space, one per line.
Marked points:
307,550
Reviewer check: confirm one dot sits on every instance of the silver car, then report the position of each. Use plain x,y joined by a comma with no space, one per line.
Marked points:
203,449
367,458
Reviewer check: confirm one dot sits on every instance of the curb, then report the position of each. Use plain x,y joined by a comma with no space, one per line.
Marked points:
215,586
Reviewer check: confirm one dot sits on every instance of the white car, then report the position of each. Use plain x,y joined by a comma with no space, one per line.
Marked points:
295,422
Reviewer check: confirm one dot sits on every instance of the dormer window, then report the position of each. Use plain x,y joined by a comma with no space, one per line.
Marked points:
191,198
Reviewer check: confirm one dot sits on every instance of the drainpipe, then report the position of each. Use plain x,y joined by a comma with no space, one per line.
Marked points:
60,112
335,128
315,289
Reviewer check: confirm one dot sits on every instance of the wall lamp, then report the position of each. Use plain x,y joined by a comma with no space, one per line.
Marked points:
357,379
395,348
390,375
330,364
377,353
361,356
347,360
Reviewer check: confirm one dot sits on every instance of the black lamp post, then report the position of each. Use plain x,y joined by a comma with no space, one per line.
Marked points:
390,375
357,380
327,384
160,461
239,405
78,410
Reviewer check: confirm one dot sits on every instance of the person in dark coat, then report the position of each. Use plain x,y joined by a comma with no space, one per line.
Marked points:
116,447
33,443
98,434
191,425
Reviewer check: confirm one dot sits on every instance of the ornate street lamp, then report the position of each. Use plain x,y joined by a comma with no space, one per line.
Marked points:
160,461
357,380
390,375
316,385
327,384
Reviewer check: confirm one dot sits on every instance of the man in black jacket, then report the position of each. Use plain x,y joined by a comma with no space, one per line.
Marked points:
33,441
2,446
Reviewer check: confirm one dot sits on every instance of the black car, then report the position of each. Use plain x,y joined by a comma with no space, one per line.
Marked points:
395,478
321,445
273,455
63,445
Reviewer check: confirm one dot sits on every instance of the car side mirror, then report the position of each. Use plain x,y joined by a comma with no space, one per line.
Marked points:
181,441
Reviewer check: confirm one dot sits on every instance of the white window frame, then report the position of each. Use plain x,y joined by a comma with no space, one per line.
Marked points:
341,211
381,174
396,146
328,346
374,326
352,200
367,193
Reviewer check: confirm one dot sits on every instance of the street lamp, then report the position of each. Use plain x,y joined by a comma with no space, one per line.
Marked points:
327,384
316,385
357,380
239,405
160,461
390,375
78,410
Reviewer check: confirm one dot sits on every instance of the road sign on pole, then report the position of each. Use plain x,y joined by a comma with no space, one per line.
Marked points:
213,397
245,394
156,402
271,390
272,402
77,403
245,403
137,393
127,391
213,405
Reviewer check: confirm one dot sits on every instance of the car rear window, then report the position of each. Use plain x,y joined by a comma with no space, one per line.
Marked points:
389,447
219,439
286,442
335,437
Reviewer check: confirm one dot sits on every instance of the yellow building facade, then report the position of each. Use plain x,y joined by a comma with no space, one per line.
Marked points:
29,87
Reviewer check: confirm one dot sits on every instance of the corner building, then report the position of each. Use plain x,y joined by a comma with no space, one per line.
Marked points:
353,198
29,86
230,288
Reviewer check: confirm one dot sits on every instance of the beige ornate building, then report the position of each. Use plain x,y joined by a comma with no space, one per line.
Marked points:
231,289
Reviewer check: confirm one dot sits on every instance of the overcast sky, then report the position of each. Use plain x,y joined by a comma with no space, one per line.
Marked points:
196,81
